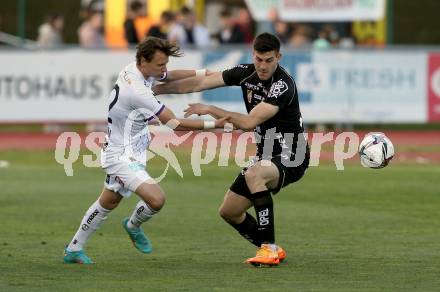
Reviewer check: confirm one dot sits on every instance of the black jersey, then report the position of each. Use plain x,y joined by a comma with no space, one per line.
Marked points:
279,90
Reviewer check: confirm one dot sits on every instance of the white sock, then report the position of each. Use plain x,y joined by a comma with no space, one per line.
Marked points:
272,246
142,213
91,222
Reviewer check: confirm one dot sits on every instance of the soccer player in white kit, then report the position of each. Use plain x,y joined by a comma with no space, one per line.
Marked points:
131,106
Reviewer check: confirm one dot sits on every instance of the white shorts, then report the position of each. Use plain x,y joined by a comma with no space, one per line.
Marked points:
125,176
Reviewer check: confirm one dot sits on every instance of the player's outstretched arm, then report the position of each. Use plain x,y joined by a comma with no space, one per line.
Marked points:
174,75
168,118
192,84
259,114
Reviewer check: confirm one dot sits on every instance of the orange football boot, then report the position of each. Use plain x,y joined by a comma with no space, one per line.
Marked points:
265,257
281,253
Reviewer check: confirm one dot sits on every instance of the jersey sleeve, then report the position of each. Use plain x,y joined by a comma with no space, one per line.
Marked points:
143,100
236,74
281,94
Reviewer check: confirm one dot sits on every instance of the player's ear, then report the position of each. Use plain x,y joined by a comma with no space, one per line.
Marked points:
279,55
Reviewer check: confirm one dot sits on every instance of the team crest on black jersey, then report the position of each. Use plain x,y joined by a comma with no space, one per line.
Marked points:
249,95
278,88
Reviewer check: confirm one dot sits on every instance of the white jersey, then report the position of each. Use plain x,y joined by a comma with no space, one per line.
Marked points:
131,106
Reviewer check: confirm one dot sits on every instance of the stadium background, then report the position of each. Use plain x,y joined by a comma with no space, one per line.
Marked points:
354,230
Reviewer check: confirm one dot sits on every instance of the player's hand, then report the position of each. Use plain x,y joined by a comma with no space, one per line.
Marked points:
196,109
225,124
220,123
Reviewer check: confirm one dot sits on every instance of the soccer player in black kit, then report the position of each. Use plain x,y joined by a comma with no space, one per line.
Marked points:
271,100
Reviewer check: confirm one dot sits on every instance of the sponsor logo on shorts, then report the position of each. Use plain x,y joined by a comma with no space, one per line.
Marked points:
119,181
85,227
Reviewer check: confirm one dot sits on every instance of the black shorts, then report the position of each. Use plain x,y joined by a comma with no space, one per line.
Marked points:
288,175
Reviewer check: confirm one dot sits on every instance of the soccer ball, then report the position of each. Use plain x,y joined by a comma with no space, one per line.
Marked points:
376,150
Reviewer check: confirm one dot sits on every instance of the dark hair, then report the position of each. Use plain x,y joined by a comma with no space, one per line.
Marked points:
150,45
185,10
168,16
225,13
266,42
135,6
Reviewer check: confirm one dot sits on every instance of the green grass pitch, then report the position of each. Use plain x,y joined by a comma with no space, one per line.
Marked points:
351,230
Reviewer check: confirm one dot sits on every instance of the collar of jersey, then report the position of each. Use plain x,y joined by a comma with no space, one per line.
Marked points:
137,71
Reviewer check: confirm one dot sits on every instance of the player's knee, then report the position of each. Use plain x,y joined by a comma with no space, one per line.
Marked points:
110,205
227,215
109,199
156,202
222,213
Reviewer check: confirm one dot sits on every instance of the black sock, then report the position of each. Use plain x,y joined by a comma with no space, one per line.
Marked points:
248,229
263,205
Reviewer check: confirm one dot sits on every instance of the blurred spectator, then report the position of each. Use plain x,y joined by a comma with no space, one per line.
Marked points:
276,26
143,22
300,37
161,29
327,37
90,6
49,33
230,32
347,42
332,35
176,32
90,32
321,43
282,31
195,33
246,25
131,35
268,25
334,38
